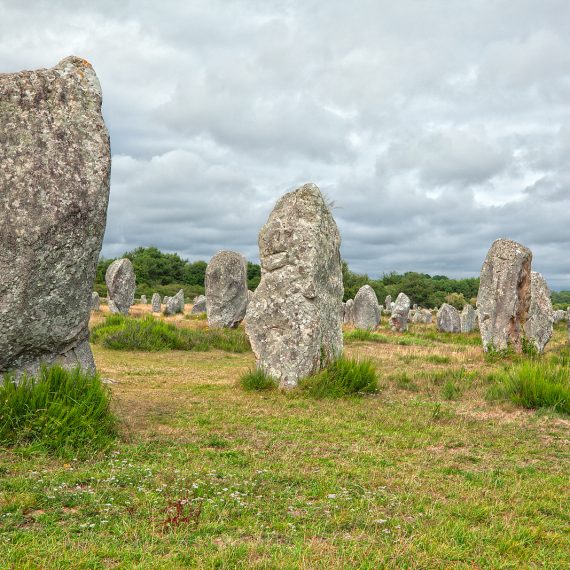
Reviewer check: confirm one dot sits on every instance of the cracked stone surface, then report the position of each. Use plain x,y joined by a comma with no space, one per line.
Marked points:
294,319
55,164
365,309
121,284
504,295
448,319
540,322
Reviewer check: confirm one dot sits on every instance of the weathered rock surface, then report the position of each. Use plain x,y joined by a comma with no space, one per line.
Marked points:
448,319
226,289
539,324
504,295
294,320
468,318
421,316
155,303
121,284
143,300
95,301
54,186
199,305
348,314
175,304
388,302
365,309
400,310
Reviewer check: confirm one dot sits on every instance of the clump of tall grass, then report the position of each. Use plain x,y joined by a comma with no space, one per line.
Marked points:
60,411
534,384
118,332
342,377
257,380
361,335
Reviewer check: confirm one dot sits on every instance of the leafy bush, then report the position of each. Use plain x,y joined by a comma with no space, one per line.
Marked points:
60,411
257,380
534,384
343,377
150,334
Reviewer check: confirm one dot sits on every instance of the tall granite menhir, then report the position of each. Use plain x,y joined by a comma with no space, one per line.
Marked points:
55,163
504,295
294,320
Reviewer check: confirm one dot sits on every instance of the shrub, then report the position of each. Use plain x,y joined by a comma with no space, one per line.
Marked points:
343,377
150,334
257,380
60,411
534,384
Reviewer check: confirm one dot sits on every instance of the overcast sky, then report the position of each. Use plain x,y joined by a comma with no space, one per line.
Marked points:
435,126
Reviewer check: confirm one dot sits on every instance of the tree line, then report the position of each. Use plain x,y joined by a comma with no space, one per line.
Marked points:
167,273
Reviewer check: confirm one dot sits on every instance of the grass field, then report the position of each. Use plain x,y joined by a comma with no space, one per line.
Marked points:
427,473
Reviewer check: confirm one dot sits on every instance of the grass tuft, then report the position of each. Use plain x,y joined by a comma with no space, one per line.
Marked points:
534,384
118,332
60,411
343,377
257,380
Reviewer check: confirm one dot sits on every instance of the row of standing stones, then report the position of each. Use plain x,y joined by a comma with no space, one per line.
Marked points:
54,192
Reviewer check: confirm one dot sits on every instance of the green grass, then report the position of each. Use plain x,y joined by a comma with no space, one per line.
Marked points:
63,412
405,339
343,377
534,384
118,332
257,380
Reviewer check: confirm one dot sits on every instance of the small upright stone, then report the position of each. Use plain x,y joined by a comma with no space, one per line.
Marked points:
121,283
143,300
448,319
504,295
55,162
226,289
468,318
155,303
388,302
400,310
539,324
348,317
199,305
95,301
175,304
559,315
365,309
294,320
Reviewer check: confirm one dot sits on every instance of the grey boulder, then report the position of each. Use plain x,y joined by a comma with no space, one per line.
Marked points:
294,320
468,318
175,304
55,163
448,319
399,316
348,316
226,289
155,303
504,295
365,309
199,305
95,301
121,284
539,324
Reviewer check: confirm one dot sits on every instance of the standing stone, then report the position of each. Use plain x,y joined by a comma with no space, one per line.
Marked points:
294,320
55,162
95,301
388,302
468,318
199,305
448,319
348,317
175,304
400,310
427,316
226,289
568,322
504,295
121,284
155,303
143,300
559,316
538,327
366,310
